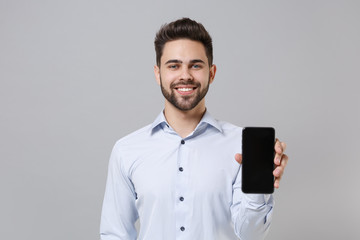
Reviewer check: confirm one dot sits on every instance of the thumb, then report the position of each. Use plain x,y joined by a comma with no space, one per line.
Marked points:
238,158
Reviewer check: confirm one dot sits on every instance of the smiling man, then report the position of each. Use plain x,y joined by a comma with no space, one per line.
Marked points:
187,67
180,176
184,74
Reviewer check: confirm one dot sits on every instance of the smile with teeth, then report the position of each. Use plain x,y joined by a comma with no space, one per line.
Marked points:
185,90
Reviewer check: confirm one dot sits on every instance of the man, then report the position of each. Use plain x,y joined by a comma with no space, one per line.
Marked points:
180,176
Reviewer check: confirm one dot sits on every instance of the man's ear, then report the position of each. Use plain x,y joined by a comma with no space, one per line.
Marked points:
212,73
157,74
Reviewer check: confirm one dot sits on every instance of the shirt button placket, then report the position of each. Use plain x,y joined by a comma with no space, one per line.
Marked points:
181,208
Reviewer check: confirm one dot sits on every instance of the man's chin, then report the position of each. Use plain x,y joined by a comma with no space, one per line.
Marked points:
184,107
185,104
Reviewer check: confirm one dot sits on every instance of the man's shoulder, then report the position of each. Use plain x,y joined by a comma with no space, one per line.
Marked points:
228,127
136,136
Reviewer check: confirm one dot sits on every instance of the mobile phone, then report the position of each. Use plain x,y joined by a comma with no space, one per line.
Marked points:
258,159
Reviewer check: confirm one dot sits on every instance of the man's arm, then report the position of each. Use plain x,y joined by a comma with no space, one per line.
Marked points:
252,213
119,213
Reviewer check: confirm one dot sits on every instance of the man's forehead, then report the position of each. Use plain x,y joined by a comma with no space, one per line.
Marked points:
184,50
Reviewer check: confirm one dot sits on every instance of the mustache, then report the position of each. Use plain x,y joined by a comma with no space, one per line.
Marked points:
184,83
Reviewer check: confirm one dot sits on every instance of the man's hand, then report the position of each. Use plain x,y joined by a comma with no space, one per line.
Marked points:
280,161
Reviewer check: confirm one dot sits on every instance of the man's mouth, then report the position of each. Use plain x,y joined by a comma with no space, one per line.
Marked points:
185,90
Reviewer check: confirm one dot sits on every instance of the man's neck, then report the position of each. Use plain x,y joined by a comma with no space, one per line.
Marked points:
184,122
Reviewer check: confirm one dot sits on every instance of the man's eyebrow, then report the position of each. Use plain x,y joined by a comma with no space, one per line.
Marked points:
173,61
179,61
197,61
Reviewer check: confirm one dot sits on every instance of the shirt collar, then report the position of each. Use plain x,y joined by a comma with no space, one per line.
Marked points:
207,119
159,121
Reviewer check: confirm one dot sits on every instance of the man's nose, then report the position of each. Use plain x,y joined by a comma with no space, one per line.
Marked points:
186,74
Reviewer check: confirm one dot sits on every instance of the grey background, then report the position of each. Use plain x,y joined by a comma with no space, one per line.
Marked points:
78,75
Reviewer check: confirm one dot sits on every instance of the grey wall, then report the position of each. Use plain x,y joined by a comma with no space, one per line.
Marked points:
77,75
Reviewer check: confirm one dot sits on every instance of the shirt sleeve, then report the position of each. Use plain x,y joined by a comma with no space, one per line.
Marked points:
119,213
251,213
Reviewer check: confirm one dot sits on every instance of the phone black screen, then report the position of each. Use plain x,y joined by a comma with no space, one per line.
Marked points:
258,159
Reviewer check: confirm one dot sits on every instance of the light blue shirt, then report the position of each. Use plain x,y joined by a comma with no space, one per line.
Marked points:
181,188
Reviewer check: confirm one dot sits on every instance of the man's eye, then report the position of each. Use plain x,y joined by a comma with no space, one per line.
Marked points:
196,66
173,66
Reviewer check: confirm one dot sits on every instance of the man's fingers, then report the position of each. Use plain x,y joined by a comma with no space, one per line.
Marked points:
283,145
279,170
238,158
277,159
277,183
280,161
279,147
284,160
279,150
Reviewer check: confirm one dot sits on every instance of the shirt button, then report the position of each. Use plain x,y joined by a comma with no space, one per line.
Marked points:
181,169
182,229
182,141
181,199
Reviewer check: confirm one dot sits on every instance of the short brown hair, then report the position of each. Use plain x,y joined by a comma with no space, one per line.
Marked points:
184,28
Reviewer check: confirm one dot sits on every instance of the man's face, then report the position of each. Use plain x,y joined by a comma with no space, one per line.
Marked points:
184,73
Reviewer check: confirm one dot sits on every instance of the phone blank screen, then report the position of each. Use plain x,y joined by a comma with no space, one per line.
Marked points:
258,160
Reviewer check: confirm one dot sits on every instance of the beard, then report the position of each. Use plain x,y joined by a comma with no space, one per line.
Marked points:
184,103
